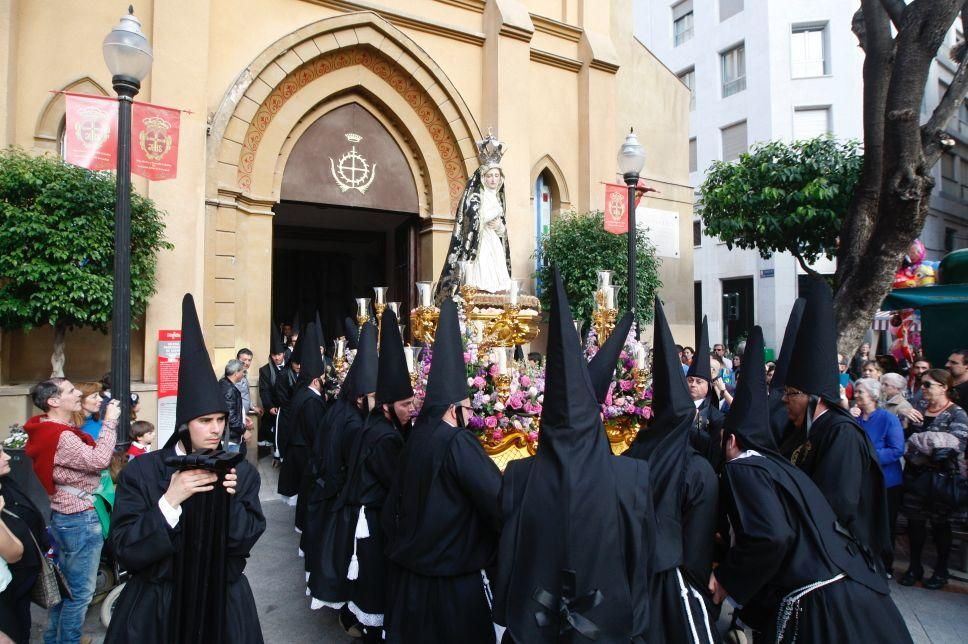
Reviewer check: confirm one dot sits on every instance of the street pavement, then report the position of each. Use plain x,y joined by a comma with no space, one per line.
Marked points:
275,572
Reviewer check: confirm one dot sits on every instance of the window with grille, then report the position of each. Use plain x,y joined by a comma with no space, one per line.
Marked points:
808,51
693,157
696,233
949,181
734,141
682,23
733,63
688,78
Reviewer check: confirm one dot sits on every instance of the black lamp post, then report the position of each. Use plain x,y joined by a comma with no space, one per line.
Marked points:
127,54
631,159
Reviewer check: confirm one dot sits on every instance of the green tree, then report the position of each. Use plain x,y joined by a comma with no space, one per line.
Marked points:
579,246
783,197
57,247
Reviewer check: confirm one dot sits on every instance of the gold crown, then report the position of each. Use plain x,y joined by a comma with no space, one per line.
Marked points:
490,150
353,138
156,122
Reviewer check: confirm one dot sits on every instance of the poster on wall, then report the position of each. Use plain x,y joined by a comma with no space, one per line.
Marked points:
662,227
169,355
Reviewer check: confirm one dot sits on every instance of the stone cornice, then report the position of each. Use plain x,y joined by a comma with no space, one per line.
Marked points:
554,60
515,32
401,19
555,28
476,6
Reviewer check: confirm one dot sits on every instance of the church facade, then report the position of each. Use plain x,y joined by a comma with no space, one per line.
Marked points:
326,142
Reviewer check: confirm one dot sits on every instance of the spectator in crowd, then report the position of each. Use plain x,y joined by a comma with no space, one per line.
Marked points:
737,363
68,463
917,370
862,356
237,421
937,444
892,395
135,406
719,350
688,353
268,374
245,356
26,523
871,370
88,420
884,430
770,370
957,366
142,434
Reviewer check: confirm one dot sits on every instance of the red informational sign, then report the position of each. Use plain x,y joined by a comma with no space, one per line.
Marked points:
616,209
169,356
90,133
154,141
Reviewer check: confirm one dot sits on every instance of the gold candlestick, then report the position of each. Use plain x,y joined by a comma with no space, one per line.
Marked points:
362,310
503,386
468,293
423,324
379,309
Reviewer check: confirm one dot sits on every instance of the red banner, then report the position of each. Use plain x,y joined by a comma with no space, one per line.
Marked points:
154,141
90,134
616,209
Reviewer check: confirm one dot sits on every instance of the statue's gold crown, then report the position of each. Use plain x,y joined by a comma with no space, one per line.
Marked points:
490,150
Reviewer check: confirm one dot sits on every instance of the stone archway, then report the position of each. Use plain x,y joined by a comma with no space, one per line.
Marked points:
354,57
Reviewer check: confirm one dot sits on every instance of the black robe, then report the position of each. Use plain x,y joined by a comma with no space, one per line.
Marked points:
787,436
673,617
25,521
706,434
287,383
374,455
330,540
146,546
785,538
306,411
840,459
441,520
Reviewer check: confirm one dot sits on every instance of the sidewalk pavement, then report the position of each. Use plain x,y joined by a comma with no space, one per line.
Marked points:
276,574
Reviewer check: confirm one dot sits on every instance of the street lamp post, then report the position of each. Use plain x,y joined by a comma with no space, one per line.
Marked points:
127,54
631,159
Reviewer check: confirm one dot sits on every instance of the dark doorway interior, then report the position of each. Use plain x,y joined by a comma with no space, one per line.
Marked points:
738,311
326,256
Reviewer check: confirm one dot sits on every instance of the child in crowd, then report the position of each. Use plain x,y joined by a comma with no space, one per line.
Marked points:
142,434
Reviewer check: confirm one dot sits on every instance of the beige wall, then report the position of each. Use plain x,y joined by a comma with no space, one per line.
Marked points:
559,80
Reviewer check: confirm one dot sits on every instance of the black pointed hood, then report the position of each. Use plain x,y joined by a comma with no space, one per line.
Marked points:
299,347
312,361
749,414
352,332
789,342
198,389
296,322
601,368
665,442
393,378
366,362
276,345
447,382
700,361
570,492
813,366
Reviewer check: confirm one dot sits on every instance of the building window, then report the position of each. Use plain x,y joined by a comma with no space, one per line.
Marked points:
693,158
963,177
729,8
949,181
733,70
808,51
688,78
963,118
681,23
734,141
810,122
696,233
949,240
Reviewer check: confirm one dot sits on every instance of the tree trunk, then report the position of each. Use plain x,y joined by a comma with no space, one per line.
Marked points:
57,358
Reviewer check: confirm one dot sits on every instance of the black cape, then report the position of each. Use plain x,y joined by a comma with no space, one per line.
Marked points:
148,548
840,459
26,522
785,537
307,409
441,521
706,434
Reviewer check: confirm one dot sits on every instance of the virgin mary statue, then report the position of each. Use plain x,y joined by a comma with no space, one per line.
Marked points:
480,235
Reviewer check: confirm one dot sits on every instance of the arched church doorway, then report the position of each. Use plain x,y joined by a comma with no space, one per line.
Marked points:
347,220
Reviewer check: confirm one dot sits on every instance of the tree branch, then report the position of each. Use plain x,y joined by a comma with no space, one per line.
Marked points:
804,265
895,9
932,131
964,18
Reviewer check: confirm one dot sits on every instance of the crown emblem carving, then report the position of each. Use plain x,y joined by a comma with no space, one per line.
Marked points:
490,150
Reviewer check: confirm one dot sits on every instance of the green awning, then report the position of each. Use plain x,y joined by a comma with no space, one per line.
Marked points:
944,310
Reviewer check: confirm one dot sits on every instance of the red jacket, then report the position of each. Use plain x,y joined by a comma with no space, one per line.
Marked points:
43,435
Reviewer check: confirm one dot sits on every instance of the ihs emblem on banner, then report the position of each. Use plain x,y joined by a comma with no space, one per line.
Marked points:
154,139
92,130
615,206
352,171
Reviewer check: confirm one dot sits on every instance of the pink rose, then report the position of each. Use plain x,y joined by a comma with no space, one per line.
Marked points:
525,381
467,357
626,385
532,436
497,435
478,382
494,371
490,422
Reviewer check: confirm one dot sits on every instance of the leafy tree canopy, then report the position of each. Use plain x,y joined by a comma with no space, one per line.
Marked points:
579,246
783,197
57,244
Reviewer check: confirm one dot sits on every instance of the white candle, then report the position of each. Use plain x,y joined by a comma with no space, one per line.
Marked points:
339,346
412,354
640,355
514,291
380,294
604,279
501,357
610,296
425,294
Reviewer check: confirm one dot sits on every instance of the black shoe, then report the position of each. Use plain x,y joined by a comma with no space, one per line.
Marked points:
911,577
936,582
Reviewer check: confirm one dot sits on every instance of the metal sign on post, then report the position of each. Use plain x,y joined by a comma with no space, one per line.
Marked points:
169,356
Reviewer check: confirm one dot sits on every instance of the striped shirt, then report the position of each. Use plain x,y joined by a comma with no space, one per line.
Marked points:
79,465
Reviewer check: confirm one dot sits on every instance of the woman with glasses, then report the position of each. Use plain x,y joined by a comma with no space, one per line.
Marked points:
937,444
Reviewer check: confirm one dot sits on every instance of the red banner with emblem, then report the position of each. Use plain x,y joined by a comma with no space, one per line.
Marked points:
154,141
90,133
616,209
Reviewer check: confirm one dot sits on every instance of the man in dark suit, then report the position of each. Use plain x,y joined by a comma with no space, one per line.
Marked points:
268,374
237,421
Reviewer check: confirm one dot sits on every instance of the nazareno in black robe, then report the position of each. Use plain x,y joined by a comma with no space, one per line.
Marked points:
307,411
441,521
150,550
374,456
706,433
